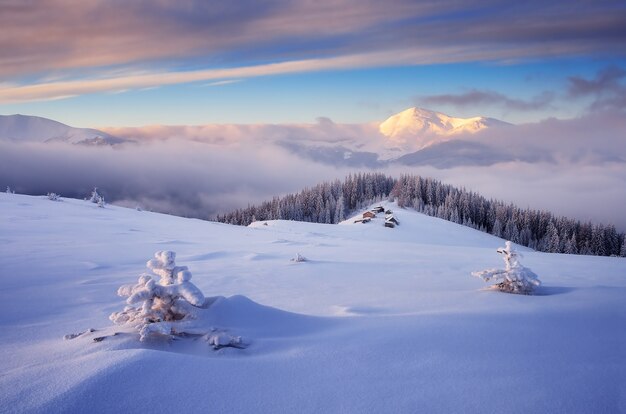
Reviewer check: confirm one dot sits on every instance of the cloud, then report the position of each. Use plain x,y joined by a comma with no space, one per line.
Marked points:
188,179
104,45
573,167
60,89
594,139
586,192
606,89
223,82
606,80
480,97
325,131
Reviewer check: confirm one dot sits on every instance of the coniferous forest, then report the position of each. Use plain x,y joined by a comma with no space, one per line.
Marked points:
332,202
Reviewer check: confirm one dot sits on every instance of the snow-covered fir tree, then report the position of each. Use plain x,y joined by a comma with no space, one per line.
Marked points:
160,308
95,196
514,278
570,246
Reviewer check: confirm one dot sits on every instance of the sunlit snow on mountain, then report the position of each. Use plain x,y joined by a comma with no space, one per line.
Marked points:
416,128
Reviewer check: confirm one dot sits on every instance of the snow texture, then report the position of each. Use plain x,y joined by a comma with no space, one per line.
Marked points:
514,278
380,322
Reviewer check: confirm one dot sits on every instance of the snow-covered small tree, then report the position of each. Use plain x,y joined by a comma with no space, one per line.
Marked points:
497,228
9,191
54,197
514,278
160,308
95,196
299,258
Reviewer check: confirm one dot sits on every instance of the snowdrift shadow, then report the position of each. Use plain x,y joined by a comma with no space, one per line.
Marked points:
357,310
264,329
553,290
243,315
539,291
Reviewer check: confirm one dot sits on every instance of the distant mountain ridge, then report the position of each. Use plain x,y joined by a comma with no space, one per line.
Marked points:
26,128
415,136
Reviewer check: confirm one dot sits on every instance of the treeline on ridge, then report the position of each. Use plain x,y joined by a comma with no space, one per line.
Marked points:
332,202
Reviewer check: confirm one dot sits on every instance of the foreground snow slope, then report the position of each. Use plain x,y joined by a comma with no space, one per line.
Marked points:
378,319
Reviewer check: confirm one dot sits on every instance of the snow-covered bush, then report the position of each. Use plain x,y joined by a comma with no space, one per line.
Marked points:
159,308
9,191
514,278
299,258
54,197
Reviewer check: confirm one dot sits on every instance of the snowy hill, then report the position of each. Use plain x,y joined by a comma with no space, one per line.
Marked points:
377,320
23,128
422,127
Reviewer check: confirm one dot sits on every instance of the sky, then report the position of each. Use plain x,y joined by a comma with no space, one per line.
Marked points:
190,62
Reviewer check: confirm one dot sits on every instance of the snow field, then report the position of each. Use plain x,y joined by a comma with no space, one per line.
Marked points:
376,320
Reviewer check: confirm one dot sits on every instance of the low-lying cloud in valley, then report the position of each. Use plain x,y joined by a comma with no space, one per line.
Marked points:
183,178
573,167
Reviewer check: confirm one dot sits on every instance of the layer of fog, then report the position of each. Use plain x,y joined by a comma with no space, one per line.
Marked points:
575,167
192,180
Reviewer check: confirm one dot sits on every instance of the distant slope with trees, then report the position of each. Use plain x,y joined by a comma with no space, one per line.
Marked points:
332,202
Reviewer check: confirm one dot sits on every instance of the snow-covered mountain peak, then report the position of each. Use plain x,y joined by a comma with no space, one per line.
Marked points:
422,127
25,128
